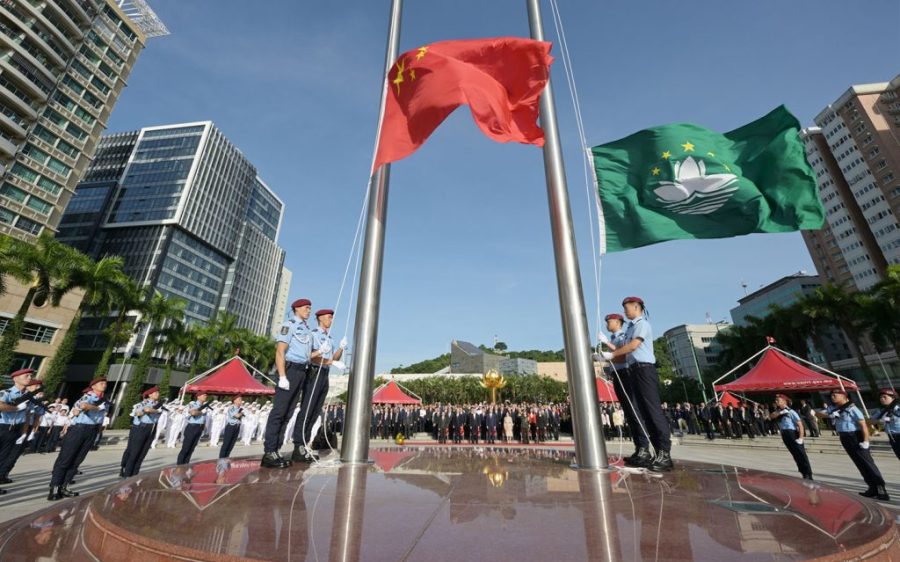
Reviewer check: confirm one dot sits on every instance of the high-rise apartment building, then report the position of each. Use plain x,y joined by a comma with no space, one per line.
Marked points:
694,348
189,215
855,153
63,64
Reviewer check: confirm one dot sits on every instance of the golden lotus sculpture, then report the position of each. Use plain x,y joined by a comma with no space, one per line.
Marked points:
493,381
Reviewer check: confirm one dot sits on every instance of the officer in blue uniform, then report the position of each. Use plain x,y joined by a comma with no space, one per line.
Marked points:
87,417
13,411
144,416
853,432
193,430
322,357
889,417
34,409
624,388
638,351
232,426
294,343
792,433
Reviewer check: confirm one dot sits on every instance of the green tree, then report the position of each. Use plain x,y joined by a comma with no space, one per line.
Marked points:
99,280
127,296
882,306
500,346
835,305
157,312
45,267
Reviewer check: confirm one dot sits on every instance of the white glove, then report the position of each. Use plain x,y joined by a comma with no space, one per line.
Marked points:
784,412
864,445
338,364
799,441
596,357
283,383
22,406
30,436
102,407
343,344
835,415
602,337
20,440
325,347
607,355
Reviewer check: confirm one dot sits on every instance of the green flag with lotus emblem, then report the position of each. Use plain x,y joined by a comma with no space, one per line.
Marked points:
684,181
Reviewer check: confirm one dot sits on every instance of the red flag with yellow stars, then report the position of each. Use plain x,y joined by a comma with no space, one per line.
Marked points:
500,79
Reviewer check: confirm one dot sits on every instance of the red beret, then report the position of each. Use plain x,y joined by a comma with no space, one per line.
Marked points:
614,317
150,391
324,311
95,381
301,302
785,396
888,391
632,299
21,372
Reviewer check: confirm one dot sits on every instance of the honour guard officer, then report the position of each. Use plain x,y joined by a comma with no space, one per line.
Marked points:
889,416
87,415
232,426
144,416
315,389
292,363
34,409
193,429
625,391
792,433
13,410
853,432
638,350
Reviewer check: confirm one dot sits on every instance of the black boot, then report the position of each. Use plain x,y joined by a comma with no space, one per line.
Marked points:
299,454
6,480
272,460
662,462
65,492
54,494
640,459
882,494
870,493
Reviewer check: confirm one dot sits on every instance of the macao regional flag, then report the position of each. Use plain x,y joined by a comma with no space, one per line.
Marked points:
684,181
500,79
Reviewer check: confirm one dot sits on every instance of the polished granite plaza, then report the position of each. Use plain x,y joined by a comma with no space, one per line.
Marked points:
443,503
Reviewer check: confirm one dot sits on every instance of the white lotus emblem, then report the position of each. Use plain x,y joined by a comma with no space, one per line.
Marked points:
694,192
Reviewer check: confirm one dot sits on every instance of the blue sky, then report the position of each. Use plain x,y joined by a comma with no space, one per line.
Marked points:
468,254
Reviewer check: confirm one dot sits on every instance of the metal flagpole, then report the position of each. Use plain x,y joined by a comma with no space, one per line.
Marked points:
355,445
590,447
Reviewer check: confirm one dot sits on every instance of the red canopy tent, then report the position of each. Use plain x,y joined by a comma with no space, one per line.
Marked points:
391,393
232,377
605,390
729,399
777,373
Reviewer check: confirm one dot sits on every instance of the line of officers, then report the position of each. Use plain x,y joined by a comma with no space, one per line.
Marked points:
24,400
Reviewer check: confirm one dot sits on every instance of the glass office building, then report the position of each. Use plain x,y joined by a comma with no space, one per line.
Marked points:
190,216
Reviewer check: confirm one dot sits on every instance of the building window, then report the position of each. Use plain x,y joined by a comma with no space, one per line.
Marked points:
32,332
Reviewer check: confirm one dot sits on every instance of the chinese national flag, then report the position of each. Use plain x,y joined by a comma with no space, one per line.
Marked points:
500,79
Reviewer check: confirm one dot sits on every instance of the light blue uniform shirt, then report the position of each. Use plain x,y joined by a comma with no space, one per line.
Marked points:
92,417
297,334
137,413
618,340
148,419
9,396
848,418
640,328
195,405
790,420
230,418
890,417
319,337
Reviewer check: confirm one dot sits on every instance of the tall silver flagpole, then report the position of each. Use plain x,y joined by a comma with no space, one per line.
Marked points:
355,445
590,447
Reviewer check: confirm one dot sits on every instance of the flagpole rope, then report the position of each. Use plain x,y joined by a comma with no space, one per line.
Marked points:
592,197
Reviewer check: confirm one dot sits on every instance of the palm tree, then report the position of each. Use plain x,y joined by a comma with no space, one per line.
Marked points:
176,339
98,280
834,305
157,312
883,308
126,296
45,267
